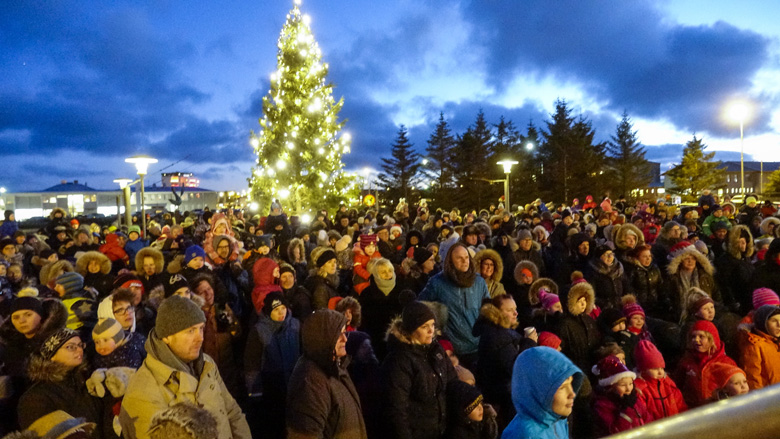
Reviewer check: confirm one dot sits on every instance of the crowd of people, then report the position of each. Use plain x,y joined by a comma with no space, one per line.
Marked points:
406,322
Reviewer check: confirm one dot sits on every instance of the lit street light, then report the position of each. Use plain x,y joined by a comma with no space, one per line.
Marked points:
740,111
507,164
142,163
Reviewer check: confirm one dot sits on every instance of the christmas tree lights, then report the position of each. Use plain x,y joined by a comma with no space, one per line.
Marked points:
300,143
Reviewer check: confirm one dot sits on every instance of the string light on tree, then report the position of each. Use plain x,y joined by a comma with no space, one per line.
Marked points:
301,136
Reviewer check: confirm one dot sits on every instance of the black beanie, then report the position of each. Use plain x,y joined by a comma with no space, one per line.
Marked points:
462,398
421,255
610,317
414,315
326,256
272,301
31,303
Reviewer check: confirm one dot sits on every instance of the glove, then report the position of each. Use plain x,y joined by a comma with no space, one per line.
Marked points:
627,401
117,379
95,383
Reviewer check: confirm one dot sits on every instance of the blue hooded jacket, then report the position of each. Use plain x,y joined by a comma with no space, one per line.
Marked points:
537,375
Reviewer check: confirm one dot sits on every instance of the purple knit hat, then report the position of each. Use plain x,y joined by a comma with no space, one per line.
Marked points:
765,296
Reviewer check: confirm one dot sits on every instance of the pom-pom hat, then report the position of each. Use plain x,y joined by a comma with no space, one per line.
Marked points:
610,370
647,356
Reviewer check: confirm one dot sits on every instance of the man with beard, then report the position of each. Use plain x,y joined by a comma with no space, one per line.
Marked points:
461,289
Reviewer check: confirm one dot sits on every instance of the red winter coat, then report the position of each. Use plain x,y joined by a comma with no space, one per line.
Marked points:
611,419
662,397
113,250
360,272
265,282
689,374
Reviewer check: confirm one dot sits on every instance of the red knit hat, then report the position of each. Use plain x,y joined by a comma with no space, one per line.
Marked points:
647,356
765,296
706,326
446,345
610,370
365,240
631,307
715,377
549,339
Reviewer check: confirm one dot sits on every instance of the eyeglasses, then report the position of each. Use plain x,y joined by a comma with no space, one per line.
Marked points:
122,311
73,347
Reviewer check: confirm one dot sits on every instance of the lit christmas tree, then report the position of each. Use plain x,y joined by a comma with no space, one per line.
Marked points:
300,145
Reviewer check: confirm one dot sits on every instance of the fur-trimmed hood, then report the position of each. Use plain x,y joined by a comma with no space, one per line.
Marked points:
732,243
53,269
498,264
494,315
621,233
533,291
56,210
293,244
579,290
766,222
83,262
526,264
148,252
40,369
394,331
701,261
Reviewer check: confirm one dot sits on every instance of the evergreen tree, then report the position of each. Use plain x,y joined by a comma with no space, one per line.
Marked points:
470,157
401,171
570,163
629,169
300,145
697,171
772,187
439,157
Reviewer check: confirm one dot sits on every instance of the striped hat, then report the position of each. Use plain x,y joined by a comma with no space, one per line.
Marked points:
108,328
765,296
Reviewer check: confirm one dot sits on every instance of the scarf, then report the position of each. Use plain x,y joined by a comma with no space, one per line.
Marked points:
385,286
159,350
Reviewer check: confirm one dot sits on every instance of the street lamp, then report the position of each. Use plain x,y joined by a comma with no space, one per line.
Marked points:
124,184
507,164
142,163
740,111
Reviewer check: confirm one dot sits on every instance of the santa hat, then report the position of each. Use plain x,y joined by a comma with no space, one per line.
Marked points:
396,229
681,248
610,370
765,296
631,307
647,356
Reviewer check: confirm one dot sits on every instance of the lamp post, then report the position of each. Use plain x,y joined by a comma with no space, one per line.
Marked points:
739,111
124,184
142,163
507,164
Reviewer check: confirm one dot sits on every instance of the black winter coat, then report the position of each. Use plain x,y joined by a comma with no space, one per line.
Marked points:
648,287
377,311
767,275
579,337
416,379
499,345
735,276
610,283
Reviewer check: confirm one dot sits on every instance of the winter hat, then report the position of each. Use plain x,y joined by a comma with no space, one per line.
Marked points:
749,200
27,303
706,326
523,234
263,241
59,425
763,314
396,229
668,226
715,207
132,229
609,318
175,282
631,307
54,342
549,339
325,257
599,251
696,298
446,345
462,398
647,356
286,268
176,314
414,315
715,377
108,328
765,296
591,228
71,281
127,280
192,252
183,420
365,240
272,301
701,246
680,248
421,255
548,300
610,370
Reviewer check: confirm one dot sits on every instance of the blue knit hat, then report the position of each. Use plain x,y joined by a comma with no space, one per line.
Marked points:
193,252
71,281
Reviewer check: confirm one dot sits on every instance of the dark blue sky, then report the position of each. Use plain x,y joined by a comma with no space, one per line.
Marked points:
88,83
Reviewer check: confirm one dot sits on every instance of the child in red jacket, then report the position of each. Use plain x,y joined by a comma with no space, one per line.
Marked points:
365,250
617,404
657,390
